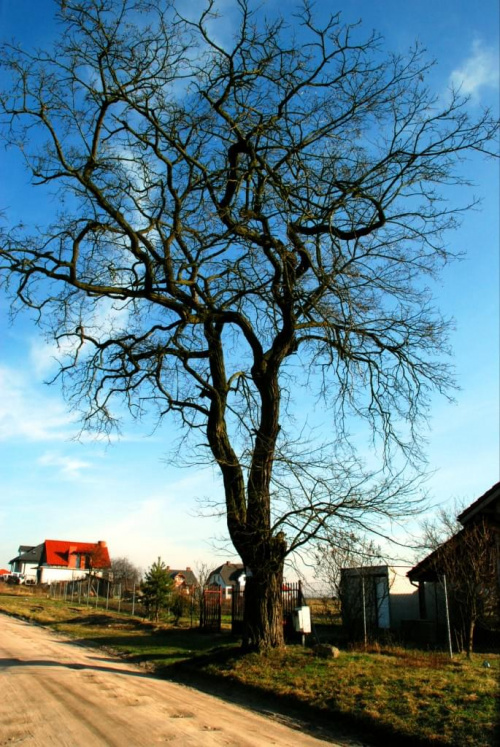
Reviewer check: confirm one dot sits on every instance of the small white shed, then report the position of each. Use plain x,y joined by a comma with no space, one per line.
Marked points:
381,595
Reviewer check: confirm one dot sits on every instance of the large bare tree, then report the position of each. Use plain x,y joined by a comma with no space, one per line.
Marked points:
239,218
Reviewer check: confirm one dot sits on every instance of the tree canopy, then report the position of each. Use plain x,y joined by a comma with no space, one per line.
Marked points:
238,219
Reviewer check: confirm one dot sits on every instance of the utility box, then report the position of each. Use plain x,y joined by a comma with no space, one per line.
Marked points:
302,620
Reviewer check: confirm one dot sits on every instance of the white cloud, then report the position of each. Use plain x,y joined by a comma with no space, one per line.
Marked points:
27,414
479,70
68,467
43,357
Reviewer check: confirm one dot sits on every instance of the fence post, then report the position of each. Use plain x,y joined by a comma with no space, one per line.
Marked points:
133,600
107,595
363,596
119,597
447,611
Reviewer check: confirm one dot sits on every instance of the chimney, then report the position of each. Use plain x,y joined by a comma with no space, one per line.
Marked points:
101,543
188,568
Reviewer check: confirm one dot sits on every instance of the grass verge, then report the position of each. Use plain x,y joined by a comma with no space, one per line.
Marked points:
393,695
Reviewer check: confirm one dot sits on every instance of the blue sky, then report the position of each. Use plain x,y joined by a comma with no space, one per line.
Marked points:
127,492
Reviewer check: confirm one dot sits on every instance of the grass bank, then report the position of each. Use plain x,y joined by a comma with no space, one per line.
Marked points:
395,696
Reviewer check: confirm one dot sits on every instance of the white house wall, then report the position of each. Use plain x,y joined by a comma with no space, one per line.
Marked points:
403,596
30,571
48,575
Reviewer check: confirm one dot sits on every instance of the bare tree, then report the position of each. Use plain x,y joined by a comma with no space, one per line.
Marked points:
354,569
125,572
237,217
467,561
344,550
437,530
202,573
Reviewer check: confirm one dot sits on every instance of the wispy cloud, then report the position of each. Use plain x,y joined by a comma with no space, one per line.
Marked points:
68,467
43,357
480,70
26,414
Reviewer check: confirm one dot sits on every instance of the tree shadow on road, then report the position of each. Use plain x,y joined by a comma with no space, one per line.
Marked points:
9,663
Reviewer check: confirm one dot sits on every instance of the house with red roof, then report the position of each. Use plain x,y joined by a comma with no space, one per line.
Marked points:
63,560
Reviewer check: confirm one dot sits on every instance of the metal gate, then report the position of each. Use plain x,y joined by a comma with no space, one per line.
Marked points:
211,610
291,597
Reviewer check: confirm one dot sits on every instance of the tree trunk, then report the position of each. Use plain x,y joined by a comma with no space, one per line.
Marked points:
263,619
470,638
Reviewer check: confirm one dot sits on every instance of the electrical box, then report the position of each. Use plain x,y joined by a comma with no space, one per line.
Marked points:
302,620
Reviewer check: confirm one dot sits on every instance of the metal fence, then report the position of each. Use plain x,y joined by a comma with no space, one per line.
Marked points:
103,594
215,606
99,593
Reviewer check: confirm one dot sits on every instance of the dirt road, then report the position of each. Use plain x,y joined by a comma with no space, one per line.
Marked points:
54,692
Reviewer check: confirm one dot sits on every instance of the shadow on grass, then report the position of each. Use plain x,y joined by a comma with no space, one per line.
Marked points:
329,725
159,646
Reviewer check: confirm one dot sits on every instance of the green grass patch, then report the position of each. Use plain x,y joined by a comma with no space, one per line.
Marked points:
136,639
393,695
404,695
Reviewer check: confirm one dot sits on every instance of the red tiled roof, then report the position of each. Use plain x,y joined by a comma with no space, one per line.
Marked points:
3,572
58,552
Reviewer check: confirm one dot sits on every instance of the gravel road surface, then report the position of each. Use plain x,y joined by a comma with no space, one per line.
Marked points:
55,692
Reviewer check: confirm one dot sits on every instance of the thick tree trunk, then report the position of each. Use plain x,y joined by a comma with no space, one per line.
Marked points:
263,620
249,511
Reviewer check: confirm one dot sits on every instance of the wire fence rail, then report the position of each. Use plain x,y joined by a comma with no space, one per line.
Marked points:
105,595
98,593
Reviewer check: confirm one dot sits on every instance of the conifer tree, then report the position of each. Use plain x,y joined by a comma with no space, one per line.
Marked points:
157,589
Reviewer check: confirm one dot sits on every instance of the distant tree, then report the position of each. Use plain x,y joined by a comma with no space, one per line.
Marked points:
179,605
443,525
157,589
202,572
125,572
358,594
344,550
238,217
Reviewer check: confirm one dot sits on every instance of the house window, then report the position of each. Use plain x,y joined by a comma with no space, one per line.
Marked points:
78,562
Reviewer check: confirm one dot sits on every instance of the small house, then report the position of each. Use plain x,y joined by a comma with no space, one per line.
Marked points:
376,598
228,577
27,561
184,580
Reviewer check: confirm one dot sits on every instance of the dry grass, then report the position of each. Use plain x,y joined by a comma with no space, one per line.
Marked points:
402,695
405,695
